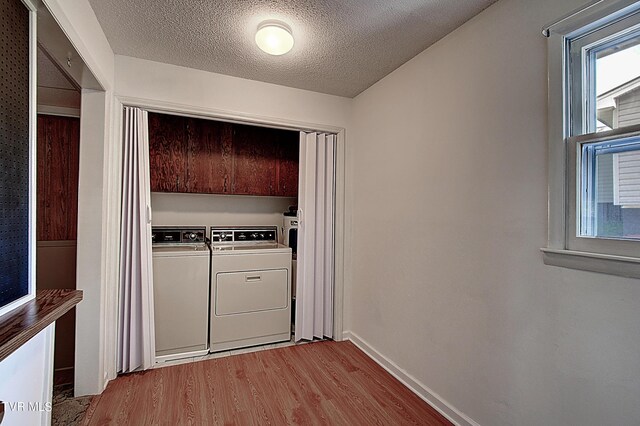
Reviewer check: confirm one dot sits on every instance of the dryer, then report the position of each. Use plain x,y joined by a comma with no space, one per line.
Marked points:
250,288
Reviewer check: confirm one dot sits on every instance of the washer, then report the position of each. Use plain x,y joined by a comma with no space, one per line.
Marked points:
181,271
250,288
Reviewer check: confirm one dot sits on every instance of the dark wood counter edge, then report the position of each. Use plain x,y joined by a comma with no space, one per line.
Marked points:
21,324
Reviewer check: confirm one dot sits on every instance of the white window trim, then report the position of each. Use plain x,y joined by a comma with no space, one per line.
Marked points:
596,254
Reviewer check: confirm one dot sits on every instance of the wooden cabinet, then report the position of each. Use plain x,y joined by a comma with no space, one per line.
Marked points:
288,152
213,157
209,157
254,161
167,152
57,190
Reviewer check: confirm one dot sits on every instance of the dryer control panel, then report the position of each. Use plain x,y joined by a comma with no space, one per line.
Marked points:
235,235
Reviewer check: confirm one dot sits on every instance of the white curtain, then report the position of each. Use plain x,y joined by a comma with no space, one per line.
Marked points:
314,292
136,340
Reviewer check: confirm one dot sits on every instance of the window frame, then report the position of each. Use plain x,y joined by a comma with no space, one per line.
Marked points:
567,135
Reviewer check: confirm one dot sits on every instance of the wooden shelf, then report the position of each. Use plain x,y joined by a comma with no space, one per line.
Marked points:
21,324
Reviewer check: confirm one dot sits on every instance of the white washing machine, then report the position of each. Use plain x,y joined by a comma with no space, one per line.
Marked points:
250,288
180,292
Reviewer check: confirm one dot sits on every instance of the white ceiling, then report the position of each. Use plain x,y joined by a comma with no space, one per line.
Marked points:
50,75
54,86
341,47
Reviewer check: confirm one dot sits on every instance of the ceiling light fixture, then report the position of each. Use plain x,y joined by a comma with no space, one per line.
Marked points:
274,37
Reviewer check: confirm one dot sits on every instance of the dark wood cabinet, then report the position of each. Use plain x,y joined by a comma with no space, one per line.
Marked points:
209,157
168,152
58,162
254,161
288,152
213,157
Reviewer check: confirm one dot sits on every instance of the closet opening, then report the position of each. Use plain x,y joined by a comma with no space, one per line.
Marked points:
262,199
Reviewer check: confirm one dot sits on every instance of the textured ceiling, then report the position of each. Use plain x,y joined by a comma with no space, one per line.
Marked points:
341,47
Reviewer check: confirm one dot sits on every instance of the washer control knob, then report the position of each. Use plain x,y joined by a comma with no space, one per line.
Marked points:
254,236
193,236
223,236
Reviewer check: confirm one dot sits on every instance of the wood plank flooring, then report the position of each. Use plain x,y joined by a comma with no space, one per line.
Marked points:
319,383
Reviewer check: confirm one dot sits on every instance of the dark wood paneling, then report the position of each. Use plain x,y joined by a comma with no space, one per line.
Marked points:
20,325
58,144
42,190
168,152
209,153
318,383
57,210
58,162
288,146
254,161
72,191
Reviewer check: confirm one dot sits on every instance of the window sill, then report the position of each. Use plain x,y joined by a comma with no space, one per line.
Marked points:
622,266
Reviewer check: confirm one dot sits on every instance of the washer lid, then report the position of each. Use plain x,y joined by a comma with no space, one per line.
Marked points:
249,248
180,250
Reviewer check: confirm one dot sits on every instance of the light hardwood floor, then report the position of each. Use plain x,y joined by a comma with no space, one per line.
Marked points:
320,383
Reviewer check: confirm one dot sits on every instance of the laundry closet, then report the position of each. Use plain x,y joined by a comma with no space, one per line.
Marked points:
224,215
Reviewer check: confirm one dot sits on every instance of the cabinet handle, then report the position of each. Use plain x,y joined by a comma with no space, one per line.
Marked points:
224,189
252,278
177,183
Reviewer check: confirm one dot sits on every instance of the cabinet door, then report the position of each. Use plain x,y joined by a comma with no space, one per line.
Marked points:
209,157
167,152
288,143
254,161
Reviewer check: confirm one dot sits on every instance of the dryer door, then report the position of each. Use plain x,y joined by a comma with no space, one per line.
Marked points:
251,291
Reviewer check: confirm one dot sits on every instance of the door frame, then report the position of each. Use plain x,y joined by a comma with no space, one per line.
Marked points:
274,122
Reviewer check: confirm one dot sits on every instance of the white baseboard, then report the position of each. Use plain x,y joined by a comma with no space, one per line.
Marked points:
429,396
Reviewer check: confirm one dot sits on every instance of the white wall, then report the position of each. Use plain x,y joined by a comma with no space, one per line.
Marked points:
212,92
89,356
27,381
61,98
218,210
450,170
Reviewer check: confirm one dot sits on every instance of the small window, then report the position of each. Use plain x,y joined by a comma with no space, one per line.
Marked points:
594,139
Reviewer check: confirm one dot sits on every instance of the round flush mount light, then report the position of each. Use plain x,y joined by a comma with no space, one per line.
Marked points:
274,37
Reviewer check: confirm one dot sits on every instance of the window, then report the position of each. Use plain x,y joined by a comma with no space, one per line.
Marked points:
594,139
